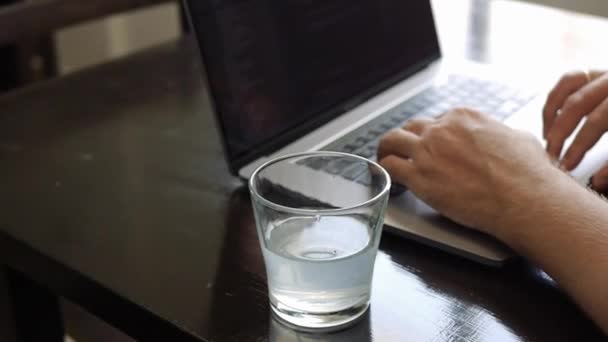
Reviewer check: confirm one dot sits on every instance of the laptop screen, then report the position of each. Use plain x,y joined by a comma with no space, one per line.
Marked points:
279,68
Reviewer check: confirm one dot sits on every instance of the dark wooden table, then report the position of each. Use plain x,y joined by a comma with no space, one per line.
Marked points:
115,196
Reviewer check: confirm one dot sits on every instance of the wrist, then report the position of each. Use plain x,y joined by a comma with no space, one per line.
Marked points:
531,201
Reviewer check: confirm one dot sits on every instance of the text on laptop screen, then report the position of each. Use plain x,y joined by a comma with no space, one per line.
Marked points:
276,69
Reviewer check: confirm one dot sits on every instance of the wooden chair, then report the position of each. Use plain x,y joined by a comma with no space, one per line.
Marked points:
31,18
26,27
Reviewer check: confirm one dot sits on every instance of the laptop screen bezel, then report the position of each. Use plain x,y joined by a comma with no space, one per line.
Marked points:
273,144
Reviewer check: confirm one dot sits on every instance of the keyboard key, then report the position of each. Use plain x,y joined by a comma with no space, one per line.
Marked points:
432,112
505,94
501,115
419,102
484,108
509,107
523,96
348,148
316,163
444,92
461,94
486,84
469,85
353,172
366,153
418,106
338,166
436,110
495,88
385,127
492,102
474,103
372,136
396,120
372,146
363,140
432,97
443,107
424,116
356,144
452,101
365,179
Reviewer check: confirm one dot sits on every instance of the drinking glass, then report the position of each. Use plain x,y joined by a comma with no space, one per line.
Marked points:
319,218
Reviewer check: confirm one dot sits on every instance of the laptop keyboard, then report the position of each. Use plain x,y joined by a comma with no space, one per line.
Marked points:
490,97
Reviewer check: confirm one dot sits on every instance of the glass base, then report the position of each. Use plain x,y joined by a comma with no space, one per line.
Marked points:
329,321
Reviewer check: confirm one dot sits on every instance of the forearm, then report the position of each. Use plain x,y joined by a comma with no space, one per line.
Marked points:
565,231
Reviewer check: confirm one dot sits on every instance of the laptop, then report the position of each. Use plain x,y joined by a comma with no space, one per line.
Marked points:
295,76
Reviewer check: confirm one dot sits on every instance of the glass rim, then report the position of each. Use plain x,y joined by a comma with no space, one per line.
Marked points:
270,204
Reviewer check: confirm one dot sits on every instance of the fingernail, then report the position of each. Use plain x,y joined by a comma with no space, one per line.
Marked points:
566,163
551,151
554,162
553,155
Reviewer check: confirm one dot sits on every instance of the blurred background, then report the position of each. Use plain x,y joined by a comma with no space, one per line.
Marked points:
42,39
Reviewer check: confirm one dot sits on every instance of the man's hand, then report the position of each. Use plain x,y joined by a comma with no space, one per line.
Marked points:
577,95
468,166
485,175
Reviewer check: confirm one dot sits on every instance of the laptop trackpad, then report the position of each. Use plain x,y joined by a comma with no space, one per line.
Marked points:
407,215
